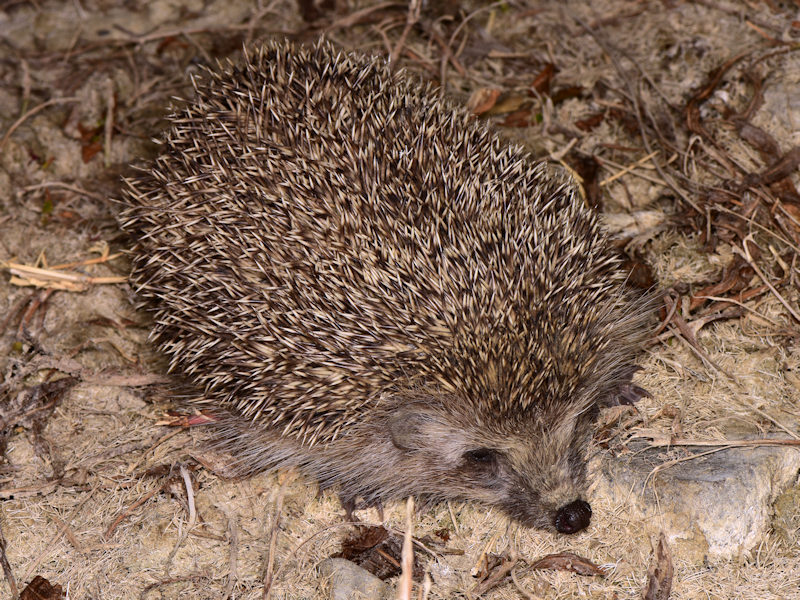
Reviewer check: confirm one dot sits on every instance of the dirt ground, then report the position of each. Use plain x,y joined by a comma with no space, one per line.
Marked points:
683,121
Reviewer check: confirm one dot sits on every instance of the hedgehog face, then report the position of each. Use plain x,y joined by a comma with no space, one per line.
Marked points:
533,470
547,464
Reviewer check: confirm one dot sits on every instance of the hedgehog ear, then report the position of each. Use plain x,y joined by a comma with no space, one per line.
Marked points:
407,429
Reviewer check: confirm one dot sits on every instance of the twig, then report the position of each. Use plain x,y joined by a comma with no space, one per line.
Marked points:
497,576
153,446
431,30
746,255
134,506
414,7
109,124
273,538
88,261
637,112
452,518
519,587
187,482
671,308
755,223
252,22
66,186
233,534
666,443
51,544
672,463
69,533
741,305
24,275
682,331
447,55
15,310
405,585
9,574
605,162
164,582
628,169
33,111
355,17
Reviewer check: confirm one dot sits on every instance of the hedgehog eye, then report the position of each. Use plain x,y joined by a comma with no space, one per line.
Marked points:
481,456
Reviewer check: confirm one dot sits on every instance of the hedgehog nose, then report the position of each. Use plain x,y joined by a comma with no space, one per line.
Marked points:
573,517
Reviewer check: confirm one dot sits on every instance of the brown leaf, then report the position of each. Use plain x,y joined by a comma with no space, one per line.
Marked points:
88,151
760,140
365,537
41,589
735,278
565,93
783,167
520,118
542,81
794,212
377,550
568,561
510,103
482,100
640,274
91,141
590,122
587,167
659,576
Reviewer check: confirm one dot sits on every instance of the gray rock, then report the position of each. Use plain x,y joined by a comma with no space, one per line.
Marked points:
351,582
714,507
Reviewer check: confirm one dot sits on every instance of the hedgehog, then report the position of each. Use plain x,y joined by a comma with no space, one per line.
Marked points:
362,281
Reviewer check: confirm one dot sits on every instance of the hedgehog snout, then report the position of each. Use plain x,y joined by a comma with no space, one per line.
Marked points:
573,517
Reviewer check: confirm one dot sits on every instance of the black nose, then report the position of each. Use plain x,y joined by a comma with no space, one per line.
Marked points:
573,517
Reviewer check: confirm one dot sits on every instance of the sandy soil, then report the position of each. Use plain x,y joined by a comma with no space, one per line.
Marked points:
101,498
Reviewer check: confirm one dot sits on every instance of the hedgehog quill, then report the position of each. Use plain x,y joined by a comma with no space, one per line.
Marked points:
366,284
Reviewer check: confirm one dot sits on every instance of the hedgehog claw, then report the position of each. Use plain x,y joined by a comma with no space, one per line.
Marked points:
627,393
349,506
630,394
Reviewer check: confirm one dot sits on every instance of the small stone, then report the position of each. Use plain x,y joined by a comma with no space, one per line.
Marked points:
349,581
715,507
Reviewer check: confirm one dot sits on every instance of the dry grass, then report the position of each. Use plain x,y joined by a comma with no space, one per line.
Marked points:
101,462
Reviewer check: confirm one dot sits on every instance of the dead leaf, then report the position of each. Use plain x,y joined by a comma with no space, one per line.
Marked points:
41,589
497,569
482,100
509,103
377,550
794,212
565,93
520,118
735,277
590,122
659,576
542,81
568,561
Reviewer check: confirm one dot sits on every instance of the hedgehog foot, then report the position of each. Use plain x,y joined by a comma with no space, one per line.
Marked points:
629,394
350,505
